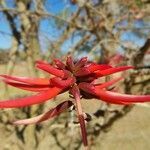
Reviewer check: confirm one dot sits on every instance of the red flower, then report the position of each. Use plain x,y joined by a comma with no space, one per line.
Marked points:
77,78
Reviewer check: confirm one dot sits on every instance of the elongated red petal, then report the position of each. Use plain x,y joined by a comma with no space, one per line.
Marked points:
59,64
45,116
118,98
52,70
34,88
41,62
81,62
95,67
31,100
107,84
62,83
111,71
33,81
70,63
90,69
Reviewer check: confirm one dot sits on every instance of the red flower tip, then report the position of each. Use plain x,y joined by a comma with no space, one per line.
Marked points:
81,63
41,62
70,63
52,70
95,67
109,71
59,64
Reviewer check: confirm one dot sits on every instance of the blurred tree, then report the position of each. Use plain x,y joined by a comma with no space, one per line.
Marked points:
99,29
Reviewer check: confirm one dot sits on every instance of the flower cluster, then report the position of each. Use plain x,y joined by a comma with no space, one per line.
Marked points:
77,78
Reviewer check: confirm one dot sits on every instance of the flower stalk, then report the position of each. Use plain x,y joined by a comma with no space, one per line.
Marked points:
76,93
78,79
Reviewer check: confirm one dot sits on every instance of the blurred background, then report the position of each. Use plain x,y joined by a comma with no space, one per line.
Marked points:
112,32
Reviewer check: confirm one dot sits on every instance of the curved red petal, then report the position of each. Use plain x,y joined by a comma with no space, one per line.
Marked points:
52,70
109,83
111,71
59,64
34,81
62,83
118,98
45,116
31,100
95,67
34,88
41,62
